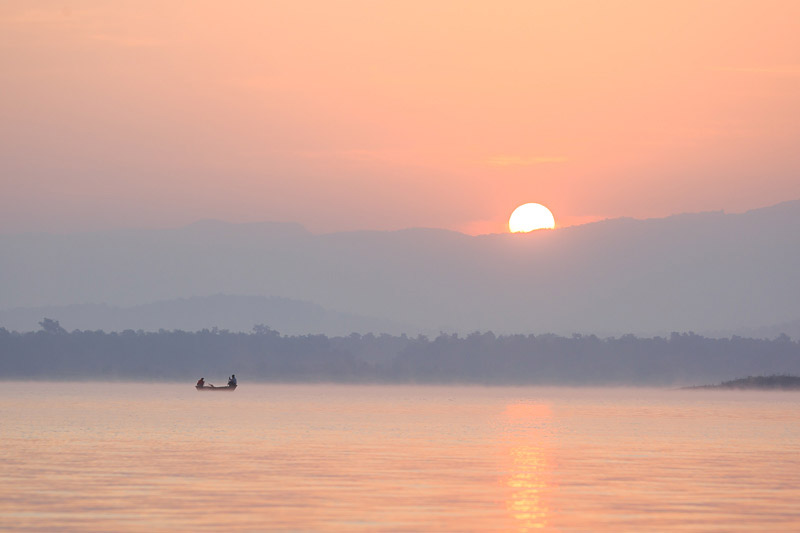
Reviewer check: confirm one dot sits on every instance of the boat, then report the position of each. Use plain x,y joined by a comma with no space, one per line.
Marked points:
212,387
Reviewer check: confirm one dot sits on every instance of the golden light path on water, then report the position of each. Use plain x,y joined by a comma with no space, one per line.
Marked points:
134,457
531,478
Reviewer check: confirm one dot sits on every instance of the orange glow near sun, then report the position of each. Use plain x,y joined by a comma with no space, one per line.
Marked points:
529,217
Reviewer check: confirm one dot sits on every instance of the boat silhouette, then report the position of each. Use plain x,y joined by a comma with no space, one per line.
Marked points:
212,387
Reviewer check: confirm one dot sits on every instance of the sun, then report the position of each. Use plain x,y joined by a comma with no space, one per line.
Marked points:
529,217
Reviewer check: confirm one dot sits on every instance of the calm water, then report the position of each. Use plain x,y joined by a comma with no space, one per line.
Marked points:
125,457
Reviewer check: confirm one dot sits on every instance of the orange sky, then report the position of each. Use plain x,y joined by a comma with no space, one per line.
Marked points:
384,115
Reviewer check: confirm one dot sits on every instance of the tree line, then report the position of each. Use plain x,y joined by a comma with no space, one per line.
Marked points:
53,353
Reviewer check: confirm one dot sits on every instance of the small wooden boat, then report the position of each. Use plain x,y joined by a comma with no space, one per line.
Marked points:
212,387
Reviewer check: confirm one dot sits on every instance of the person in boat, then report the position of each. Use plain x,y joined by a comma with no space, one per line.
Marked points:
201,382
232,380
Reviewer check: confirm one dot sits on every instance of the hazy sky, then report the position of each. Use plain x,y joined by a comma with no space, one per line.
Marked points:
382,115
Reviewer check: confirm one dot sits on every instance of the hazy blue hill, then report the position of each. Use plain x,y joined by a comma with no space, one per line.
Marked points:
693,272
231,312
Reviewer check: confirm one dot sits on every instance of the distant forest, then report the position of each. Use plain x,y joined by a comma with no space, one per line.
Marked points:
263,355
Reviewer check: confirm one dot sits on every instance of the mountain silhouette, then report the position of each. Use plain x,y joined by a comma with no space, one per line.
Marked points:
690,272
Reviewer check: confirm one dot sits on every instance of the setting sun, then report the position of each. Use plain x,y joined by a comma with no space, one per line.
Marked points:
529,217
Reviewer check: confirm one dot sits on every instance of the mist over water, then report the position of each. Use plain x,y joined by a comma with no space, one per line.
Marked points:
131,457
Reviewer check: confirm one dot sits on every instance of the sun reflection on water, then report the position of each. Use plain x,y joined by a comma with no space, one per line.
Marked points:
526,428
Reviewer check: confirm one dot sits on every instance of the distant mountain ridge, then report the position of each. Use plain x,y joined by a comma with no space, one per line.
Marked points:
692,272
